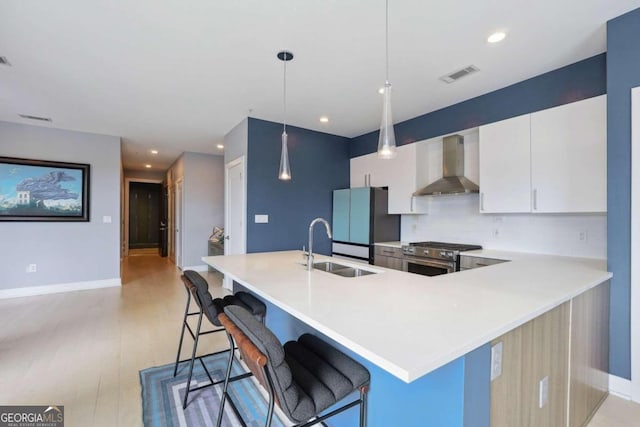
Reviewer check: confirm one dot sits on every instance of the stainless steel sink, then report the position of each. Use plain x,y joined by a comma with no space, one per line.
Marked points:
353,272
331,267
341,270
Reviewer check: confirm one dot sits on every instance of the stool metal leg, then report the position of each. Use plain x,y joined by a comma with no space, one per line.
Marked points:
193,357
226,381
363,406
184,324
272,397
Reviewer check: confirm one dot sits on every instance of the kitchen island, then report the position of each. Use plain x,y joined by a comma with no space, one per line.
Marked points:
431,334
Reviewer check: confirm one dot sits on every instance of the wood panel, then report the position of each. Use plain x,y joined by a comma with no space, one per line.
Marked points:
537,349
589,354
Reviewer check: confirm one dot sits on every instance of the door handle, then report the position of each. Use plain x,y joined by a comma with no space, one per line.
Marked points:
226,237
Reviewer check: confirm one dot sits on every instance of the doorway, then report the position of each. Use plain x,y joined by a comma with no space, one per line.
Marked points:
145,215
177,223
235,210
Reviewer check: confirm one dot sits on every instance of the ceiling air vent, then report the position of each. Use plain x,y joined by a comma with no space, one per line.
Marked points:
42,119
4,61
457,75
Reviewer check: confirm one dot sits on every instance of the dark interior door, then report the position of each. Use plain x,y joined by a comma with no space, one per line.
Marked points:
144,215
164,222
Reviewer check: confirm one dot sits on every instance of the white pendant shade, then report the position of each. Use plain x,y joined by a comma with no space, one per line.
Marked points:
285,170
387,138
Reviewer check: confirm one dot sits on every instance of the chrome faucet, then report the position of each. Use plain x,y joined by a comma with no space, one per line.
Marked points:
310,254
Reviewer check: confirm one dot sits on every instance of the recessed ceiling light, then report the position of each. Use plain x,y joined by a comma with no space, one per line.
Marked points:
147,166
324,119
154,151
381,91
220,146
496,37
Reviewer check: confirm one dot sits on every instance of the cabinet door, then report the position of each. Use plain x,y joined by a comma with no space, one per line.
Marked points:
569,157
402,181
359,168
505,166
378,171
341,202
359,215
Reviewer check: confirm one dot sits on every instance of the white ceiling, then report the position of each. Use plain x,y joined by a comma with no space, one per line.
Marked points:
177,76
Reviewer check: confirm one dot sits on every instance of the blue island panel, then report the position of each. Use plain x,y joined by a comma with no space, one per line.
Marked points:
438,399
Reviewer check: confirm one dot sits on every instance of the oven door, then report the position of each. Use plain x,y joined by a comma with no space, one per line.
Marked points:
427,267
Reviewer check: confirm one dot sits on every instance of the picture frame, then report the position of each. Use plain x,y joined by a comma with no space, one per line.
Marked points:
41,190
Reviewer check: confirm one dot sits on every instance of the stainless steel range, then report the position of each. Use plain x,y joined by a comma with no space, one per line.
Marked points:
433,258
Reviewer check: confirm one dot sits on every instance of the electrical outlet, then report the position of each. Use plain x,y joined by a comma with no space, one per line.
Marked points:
261,219
496,361
543,397
583,236
32,268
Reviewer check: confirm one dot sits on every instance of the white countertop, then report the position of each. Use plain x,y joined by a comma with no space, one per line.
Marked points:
408,324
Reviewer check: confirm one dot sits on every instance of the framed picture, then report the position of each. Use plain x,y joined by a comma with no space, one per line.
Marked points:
38,190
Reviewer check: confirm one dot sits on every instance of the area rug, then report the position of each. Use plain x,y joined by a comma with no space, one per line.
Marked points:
162,397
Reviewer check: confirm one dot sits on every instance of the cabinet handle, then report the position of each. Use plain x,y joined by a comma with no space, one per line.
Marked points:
481,201
369,184
535,199
412,198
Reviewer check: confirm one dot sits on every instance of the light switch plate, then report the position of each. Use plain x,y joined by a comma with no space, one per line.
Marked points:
262,219
496,361
106,219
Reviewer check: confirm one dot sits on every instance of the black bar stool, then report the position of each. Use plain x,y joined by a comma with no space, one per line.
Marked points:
305,377
198,288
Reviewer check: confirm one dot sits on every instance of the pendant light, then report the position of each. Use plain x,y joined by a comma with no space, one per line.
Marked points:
285,171
387,139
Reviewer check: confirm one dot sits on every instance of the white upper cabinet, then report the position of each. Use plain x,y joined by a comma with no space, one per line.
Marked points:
550,161
505,166
569,157
398,174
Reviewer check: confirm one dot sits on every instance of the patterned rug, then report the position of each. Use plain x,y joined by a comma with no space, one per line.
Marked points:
162,397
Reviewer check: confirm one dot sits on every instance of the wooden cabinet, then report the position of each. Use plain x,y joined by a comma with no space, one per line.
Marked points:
389,257
568,346
468,262
537,350
550,161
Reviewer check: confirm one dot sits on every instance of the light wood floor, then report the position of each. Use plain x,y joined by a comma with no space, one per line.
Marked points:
84,349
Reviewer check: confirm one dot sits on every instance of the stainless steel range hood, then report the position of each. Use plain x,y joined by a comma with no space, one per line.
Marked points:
453,180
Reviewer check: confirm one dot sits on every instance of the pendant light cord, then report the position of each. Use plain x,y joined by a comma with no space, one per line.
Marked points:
386,35
284,107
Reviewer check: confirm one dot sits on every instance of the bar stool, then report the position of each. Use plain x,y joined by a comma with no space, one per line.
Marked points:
304,377
198,288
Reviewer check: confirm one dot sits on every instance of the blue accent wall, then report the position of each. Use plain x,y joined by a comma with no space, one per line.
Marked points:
584,79
623,73
455,395
319,165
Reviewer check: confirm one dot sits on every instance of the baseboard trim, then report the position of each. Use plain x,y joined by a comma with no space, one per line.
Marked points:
620,387
202,267
59,288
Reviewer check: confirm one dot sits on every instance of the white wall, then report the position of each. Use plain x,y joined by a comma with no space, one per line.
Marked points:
457,219
144,175
203,202
65,252
236,141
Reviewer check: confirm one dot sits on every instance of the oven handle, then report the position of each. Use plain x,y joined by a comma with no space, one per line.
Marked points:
431,263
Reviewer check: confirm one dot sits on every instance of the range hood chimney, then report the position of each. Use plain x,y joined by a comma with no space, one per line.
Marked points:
453,180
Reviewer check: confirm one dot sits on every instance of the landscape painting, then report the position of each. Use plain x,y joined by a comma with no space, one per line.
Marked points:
38,190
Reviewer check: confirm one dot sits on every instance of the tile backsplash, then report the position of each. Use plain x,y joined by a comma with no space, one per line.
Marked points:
457,219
